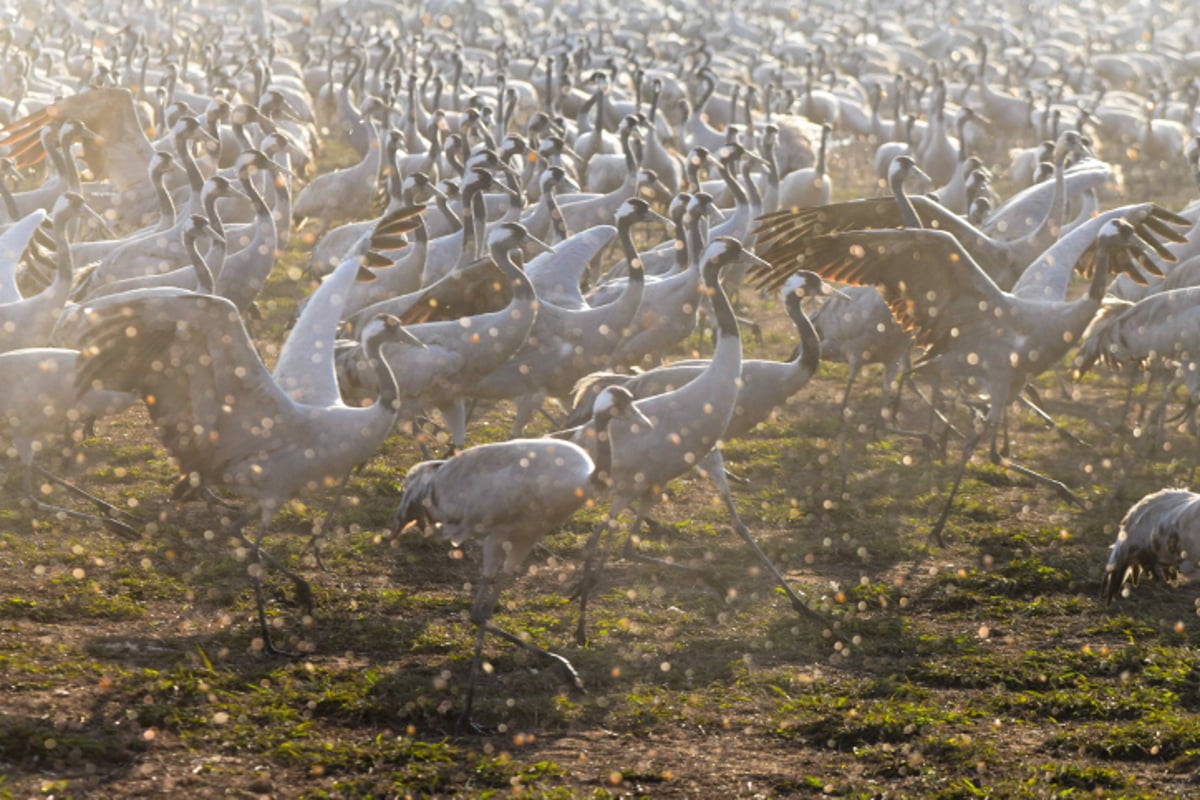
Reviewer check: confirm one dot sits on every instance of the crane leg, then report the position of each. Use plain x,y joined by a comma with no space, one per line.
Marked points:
842,432
968,449
715,464
1032,402
320,527
589,570
258,558
481,612
116,526
1057,486
630,552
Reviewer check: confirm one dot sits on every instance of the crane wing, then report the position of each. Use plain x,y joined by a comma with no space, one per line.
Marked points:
121,157
930,282
192,361
782,234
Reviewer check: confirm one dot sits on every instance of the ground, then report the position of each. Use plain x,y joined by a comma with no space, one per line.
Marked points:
982,668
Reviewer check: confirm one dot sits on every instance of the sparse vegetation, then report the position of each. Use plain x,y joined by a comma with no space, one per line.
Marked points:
985,669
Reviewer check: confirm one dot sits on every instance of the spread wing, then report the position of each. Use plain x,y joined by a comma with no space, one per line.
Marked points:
124,152
1048,277
782,234
191,360
930,282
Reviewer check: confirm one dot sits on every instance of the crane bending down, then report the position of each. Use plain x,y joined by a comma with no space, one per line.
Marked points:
220,412
975,332
510,494
1159,535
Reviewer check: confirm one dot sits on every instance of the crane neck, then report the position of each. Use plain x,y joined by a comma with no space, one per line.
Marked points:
63,260
808,353
600,477
166,204
632,259
726,320
1099,284
195,178
735,188
256,199
695,239
389,391
751,188
908,213
204,274
523,291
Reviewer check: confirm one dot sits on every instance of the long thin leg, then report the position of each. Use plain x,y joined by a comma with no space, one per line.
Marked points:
481,612
1031,400
968,449
565,669
842,432
631,552
326,524
113,525
589,568
715,464
106,507
256,579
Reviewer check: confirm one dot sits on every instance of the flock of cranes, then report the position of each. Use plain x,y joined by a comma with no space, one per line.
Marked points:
152,175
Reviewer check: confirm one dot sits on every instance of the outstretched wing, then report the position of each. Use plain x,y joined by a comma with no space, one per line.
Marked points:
191,360
783,233
123,153
933,286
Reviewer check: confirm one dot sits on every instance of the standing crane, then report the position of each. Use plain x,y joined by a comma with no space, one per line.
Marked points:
510,494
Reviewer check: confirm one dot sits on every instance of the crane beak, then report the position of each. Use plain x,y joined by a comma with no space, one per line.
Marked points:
756,261
99,220
920,173
832,291
539,245
634,414
657,217
756,158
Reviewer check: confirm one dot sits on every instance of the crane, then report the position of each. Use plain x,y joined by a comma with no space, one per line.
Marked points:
220,412
509,495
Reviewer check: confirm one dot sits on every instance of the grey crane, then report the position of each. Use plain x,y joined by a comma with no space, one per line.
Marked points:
810,186
509,495
1002,261
568,343
29,322
219,411
688,422
345,194
1159,535
1164,327
460,352
938,291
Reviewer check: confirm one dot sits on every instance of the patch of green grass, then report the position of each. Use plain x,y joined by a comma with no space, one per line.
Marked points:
1161,735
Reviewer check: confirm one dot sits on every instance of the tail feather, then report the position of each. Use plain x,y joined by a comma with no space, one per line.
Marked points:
585,392
1101,338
